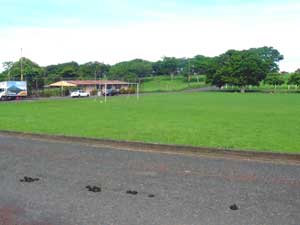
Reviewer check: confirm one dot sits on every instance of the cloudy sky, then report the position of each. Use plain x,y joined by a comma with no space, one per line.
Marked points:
110,31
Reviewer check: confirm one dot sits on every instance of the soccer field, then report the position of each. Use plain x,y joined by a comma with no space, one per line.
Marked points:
262,122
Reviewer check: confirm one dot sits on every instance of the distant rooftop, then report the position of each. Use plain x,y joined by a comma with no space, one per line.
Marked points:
95,82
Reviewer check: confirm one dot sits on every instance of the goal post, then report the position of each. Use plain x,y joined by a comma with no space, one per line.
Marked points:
137,91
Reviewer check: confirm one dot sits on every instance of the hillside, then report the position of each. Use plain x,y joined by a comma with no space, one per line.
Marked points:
164,83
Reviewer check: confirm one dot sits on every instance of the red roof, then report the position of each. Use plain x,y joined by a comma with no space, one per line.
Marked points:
95,82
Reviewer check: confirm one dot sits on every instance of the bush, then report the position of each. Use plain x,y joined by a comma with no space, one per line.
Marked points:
123,91
94,92
52,92
294,79
130,90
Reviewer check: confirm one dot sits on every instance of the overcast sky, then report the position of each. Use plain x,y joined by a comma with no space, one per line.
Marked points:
110,31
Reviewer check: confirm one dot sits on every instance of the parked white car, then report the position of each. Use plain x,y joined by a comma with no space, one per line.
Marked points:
79,93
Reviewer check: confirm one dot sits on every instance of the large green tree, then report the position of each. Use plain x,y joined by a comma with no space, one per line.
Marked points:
200,64
131,70
169,66
242,68
270,58
32,73
64,71
7,70
93,70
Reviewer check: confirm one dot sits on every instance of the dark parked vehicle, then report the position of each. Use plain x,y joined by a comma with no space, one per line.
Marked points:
111,92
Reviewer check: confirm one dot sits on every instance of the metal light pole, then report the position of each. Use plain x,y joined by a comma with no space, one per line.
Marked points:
137,91
105,92
95,79
21,64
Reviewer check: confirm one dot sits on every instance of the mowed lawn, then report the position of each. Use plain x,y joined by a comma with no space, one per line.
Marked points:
263,122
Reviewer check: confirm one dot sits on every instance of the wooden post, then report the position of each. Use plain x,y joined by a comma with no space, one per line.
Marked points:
137,91
105,93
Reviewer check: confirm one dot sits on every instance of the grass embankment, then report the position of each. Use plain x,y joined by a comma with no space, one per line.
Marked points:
165,83
228,120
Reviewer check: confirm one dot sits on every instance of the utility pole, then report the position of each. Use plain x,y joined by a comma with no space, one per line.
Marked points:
137,91
96,80
189,71
21,64
105,93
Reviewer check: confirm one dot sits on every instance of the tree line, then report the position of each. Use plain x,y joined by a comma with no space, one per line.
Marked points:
238,68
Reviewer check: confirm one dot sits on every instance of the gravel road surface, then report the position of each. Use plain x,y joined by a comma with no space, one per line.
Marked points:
49,183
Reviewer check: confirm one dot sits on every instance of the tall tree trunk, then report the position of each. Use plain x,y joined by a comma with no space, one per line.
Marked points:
243,89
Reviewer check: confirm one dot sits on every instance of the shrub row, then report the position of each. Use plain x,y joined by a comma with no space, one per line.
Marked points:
130,90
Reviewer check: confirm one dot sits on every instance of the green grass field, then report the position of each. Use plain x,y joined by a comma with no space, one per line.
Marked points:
264,122
164,83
